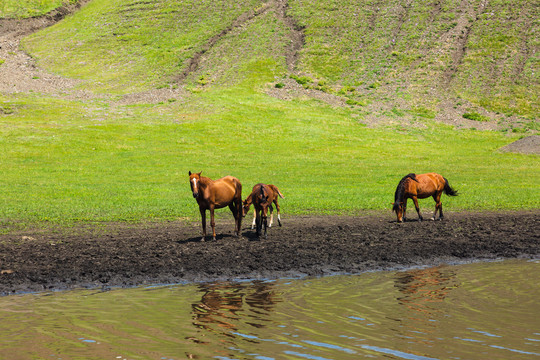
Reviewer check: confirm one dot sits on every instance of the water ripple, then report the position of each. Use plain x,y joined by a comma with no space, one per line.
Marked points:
475,311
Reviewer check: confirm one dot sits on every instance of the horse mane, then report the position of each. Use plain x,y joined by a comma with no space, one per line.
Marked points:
205,180
400,190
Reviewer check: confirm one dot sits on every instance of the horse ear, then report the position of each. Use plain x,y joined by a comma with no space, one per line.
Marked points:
199,173
190,173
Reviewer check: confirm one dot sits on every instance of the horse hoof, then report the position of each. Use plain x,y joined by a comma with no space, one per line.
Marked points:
432,219
202,239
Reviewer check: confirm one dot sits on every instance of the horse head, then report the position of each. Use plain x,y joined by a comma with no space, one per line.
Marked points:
398,208
246,204
194,181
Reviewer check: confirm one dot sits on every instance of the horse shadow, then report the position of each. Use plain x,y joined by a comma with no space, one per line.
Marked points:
251,235
197,239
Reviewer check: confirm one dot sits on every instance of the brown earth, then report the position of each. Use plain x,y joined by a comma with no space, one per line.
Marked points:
124,255
527,145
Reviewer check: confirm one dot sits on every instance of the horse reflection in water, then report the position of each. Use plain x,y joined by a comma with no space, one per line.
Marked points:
423,292
422,289
224,306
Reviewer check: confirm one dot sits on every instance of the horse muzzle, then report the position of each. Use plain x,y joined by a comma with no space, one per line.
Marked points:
195,195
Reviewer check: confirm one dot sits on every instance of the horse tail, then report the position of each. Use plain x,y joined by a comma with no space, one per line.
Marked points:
448,189
238,188
279,193
264,195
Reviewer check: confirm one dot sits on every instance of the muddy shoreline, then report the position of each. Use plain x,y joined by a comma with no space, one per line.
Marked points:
121,255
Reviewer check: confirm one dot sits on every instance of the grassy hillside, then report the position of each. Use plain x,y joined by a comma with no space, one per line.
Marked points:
484,52
411,54
26,8
99,159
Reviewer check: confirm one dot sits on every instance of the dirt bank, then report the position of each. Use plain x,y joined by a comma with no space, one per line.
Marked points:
124,255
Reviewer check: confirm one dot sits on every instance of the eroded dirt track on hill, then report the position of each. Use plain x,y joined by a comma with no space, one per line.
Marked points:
19,72
122,255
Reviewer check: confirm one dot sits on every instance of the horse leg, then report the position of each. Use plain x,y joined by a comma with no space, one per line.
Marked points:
265,221
259,223
235,214
271,216
254,219
277,209
203,221
213,223
438,206
415,200
239,215
405,209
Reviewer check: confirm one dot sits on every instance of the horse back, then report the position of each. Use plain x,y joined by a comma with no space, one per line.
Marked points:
225,190
429,184
276,191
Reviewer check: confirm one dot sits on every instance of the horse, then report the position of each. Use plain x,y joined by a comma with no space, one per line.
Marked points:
417,187
262,196
247,204
215,194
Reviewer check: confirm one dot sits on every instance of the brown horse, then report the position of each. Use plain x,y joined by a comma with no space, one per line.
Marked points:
419,187
248,202
262,196
215,194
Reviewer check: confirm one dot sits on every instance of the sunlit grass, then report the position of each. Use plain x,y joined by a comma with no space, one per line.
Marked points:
95,160
65,164
28,8
129,46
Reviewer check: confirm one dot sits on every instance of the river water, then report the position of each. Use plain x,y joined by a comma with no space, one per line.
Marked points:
471,311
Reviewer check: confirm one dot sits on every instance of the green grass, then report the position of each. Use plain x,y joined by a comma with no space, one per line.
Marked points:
129,46
68,161
379,46
475,116
28,8
65,161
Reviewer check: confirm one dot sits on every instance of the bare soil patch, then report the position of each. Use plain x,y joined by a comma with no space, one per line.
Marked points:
19,72
129,255
527,145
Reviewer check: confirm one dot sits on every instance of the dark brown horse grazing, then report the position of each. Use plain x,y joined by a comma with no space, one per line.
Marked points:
248,202
215,194
419,187
262,196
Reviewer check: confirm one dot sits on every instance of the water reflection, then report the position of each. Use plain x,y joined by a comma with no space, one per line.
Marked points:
423,289
474,311
224,306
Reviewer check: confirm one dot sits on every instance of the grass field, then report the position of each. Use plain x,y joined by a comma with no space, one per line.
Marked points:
27,8
65,161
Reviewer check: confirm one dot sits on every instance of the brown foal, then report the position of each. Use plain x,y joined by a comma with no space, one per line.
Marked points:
262,196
